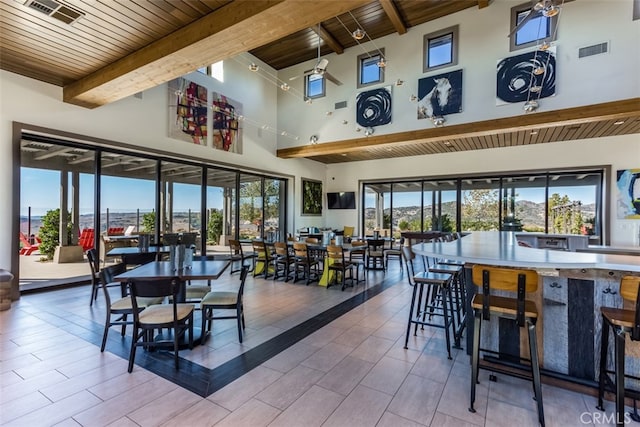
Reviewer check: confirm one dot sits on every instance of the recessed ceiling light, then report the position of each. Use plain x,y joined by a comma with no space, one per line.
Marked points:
619,122
447,143
344,154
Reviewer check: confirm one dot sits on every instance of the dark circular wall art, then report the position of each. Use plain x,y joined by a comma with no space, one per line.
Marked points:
514,76
373,107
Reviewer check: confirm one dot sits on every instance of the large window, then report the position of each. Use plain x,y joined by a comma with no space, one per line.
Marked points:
565,202
440,49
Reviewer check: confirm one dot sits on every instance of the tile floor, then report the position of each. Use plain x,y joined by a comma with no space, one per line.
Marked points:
353,371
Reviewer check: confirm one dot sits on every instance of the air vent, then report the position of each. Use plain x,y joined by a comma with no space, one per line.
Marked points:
595,49
55,9
341,104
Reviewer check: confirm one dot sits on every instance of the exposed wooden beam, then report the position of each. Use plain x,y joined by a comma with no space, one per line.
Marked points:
482,4
534,121
394,16
328,38
233,29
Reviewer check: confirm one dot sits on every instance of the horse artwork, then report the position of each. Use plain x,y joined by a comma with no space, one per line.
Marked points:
440,95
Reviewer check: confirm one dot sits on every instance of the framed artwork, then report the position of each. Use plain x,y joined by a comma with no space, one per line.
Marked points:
311,197
515,75
187,111
227,129
440,95
628,197
373,107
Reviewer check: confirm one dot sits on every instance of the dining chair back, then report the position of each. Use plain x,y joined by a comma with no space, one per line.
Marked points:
263,258
224,300
94,265
177,317
304,263
283,261
137,259
238,254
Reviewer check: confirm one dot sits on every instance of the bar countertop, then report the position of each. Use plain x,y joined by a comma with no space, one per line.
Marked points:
501,248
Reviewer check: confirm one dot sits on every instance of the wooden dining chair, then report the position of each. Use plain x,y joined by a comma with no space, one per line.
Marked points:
224,300
177,317
339,266
283,261
238,254
304,263
263,259
94,265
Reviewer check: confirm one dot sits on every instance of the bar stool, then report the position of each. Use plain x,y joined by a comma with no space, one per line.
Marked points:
455,292
520,309
622,322
437,300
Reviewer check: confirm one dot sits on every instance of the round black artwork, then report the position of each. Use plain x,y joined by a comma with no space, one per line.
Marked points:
373,107
515,76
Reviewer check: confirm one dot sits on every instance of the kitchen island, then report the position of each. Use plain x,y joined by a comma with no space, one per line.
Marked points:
573,286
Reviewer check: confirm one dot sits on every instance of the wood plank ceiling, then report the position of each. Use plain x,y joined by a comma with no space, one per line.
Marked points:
118,48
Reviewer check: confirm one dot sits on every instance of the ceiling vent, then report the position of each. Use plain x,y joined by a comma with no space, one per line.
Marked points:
55,9
595,49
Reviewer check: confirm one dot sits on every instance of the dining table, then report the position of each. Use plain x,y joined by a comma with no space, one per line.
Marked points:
129,250
199,270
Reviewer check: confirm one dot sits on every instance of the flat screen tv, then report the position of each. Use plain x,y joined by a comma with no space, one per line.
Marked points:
341,200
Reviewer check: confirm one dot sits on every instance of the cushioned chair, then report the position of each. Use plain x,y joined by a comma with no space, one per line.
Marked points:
238,254
523,311
339,266
283,261
174,316
623,323
348,231
219,300
263,259
394,252
304,264
122,307
375,254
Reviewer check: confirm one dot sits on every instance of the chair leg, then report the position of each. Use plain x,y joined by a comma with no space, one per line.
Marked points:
204,333
413,301
240,320
474,359
619,355
132,353
604,351
124,325
535,370
176,337
418,308
447,318
107,324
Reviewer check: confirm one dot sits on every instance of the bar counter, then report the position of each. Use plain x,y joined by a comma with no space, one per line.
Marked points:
573,286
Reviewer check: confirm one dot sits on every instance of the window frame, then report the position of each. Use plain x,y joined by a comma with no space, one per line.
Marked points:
435,35
515,11
307,80
360,63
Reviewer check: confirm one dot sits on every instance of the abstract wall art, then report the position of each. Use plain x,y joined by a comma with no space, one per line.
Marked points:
440,95
628,197
311,197
373,107
515,77
227,124
187,111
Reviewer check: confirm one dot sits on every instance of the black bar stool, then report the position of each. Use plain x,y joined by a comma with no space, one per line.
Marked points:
622,322
432,289
523,311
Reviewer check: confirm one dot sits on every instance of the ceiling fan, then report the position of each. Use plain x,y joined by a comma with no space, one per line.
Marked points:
321,67
547,8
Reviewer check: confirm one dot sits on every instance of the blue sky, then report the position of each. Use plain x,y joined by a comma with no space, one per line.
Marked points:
41,190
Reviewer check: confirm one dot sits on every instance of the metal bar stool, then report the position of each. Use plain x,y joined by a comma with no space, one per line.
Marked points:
437,300
523,311
622,322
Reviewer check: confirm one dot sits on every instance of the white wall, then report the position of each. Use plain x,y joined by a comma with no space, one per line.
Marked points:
483,42
144,122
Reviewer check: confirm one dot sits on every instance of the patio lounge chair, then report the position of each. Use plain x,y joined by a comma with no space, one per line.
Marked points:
27,247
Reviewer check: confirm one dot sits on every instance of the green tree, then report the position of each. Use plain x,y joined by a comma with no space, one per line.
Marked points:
214,230
403,225
565,215
50,232
149,222
480,210
443,223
